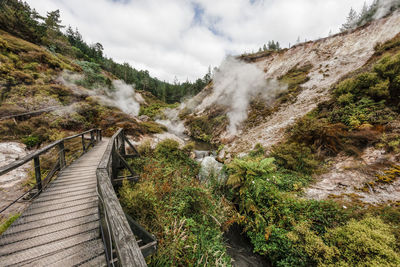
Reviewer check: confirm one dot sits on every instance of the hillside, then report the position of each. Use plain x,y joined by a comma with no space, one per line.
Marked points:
312,113
280,158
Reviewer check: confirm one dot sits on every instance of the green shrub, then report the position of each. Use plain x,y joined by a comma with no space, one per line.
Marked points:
155,109
295,156
363,111
205,128
140,202
93,77
368,242
153,127
31,141
380,90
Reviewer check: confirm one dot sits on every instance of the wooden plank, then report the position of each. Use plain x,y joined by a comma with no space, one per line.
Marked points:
34,232
56,259
42,224
34,253
55,236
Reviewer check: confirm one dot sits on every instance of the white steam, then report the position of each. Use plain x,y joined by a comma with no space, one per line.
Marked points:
125,98
384,8
235,84
173,123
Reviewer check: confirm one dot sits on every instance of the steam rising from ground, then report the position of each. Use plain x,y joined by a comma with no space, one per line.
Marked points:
124,97
384,7
235,84
121,95
173,123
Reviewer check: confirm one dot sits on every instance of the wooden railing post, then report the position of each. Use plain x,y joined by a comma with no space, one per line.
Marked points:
114,160
61,151
92,137
83,143
38,175
122,137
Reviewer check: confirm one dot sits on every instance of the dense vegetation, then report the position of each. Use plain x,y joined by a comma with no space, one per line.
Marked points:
296,232
293,231
17,18
170,202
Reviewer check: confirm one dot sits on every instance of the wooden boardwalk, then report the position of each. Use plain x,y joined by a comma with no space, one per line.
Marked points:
61,227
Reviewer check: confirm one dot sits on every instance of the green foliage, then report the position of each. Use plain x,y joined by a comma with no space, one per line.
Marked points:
368,242
170,202
155,109
367,98
31,141
295,156
269,210
153,127
294,78
6,223
363,111
93,78
206,127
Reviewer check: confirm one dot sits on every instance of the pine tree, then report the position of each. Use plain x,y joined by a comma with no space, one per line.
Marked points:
265,47
351,21
53,20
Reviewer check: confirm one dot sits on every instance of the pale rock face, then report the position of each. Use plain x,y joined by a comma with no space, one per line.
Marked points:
9,152
332,58
348,174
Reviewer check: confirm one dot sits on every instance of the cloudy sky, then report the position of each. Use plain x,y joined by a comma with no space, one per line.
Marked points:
181,38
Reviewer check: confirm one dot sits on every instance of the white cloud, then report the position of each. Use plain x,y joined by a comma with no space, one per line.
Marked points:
169,38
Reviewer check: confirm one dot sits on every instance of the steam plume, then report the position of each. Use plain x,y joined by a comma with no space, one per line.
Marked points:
235,84
123,96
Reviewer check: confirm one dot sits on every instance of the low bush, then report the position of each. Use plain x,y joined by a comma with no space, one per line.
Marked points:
295,156
206,128
368,242
31,141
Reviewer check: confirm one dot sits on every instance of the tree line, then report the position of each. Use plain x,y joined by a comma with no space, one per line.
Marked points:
19,19
367,14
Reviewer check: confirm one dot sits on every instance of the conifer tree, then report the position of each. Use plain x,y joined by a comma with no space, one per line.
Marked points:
351,21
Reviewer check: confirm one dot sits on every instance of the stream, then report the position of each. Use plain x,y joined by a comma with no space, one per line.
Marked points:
239,247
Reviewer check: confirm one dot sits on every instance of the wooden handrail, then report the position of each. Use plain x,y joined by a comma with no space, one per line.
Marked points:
117,232
59,165
7,168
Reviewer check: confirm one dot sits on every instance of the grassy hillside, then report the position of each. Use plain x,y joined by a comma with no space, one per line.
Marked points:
29,75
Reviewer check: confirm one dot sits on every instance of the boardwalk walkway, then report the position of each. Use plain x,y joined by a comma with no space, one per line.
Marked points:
61,227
